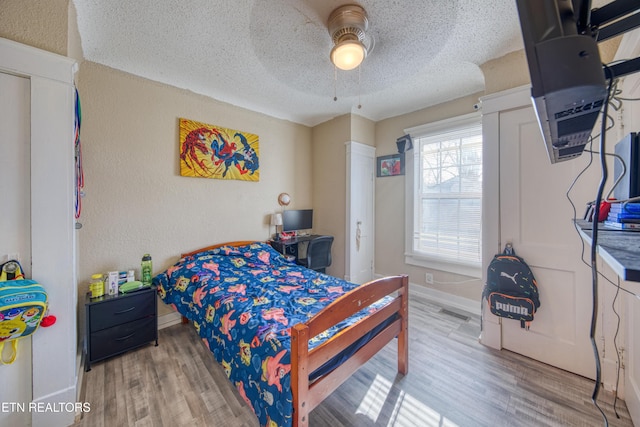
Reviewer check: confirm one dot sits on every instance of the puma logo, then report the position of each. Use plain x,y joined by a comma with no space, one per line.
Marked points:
510,308
503,274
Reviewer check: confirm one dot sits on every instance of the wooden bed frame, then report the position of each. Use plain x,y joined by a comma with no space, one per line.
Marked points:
307,395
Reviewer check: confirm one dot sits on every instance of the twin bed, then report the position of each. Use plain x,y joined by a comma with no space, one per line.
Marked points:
286,336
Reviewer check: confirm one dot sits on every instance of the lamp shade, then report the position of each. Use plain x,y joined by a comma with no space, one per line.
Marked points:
348,54
276,219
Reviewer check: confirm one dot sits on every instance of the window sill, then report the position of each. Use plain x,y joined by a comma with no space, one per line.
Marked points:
444,265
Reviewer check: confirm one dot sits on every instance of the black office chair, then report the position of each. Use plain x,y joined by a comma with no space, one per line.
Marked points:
318,254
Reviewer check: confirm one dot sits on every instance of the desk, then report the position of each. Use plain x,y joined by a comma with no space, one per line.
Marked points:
290,246
620,249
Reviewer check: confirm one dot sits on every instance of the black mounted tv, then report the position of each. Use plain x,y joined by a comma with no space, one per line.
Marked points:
568,85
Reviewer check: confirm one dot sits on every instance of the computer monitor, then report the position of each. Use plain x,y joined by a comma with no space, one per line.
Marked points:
629,151
294,220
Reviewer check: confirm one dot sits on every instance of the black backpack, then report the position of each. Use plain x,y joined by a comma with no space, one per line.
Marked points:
511,290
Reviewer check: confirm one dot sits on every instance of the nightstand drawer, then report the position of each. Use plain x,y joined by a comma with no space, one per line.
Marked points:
122,310
112,341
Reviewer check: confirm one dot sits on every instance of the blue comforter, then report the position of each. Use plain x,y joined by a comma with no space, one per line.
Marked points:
243,302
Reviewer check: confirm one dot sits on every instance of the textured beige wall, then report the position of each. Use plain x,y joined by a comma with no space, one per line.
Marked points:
329,187
363,130
37,23
609,48
136,202
512,70
506,72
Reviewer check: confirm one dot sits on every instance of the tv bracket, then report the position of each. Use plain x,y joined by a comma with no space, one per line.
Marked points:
609,21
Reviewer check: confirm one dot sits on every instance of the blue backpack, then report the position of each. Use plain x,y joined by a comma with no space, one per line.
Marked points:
23,305
511,290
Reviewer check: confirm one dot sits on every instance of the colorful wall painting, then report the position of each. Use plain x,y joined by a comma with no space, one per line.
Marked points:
391,165
209,151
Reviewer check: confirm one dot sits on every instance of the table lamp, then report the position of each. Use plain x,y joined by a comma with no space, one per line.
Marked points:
276,219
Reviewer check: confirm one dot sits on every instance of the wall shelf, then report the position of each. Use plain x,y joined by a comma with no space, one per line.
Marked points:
620,249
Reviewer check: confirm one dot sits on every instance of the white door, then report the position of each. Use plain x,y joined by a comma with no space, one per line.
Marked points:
630,48
535,216
15,229
632,368
360,212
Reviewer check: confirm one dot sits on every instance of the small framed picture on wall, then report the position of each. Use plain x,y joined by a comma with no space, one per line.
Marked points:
391,165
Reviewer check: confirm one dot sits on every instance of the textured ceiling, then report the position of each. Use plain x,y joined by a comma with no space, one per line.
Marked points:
272,56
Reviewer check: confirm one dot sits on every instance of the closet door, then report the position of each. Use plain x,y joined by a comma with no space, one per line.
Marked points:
49,106
15,227
525,203
360,213
535,216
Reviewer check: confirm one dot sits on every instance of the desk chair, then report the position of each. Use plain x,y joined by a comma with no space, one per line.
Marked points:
318,254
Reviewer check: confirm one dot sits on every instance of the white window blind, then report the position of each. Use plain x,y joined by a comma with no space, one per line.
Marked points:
447,196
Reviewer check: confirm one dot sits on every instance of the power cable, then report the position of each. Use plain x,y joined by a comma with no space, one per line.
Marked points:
594,248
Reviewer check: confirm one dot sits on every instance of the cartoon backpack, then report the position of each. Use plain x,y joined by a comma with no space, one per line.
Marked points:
511,290
23,304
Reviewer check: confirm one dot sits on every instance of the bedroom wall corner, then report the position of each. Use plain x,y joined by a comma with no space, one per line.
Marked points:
329,193
74,43
329,179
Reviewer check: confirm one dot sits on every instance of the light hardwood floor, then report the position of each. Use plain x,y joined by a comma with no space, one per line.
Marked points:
452,381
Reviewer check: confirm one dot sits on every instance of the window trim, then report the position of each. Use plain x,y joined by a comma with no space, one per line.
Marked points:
411,163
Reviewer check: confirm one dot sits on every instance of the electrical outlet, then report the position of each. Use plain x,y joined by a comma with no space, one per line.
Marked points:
428,277
13,256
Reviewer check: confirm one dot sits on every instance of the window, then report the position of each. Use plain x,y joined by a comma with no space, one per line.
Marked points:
444,196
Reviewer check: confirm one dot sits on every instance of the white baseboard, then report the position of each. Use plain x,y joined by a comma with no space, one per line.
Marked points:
447,299
169,319
444,298
610,376
56,409
79,372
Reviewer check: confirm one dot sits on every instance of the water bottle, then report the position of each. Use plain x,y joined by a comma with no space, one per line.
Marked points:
146,270
96,286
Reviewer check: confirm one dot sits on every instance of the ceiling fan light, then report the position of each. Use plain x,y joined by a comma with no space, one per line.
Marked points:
348,54
347,26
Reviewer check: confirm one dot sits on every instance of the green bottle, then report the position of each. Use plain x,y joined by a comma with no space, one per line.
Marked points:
146,270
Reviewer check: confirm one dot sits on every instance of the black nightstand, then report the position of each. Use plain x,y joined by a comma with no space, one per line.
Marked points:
119,323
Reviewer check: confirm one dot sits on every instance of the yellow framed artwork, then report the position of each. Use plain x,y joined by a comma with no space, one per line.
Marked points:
210,151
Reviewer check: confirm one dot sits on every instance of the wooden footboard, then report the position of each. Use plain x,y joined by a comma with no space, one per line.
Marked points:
307,396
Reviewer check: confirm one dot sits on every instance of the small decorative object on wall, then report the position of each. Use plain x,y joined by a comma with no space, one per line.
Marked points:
284,199
390,165
404,143
210,151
